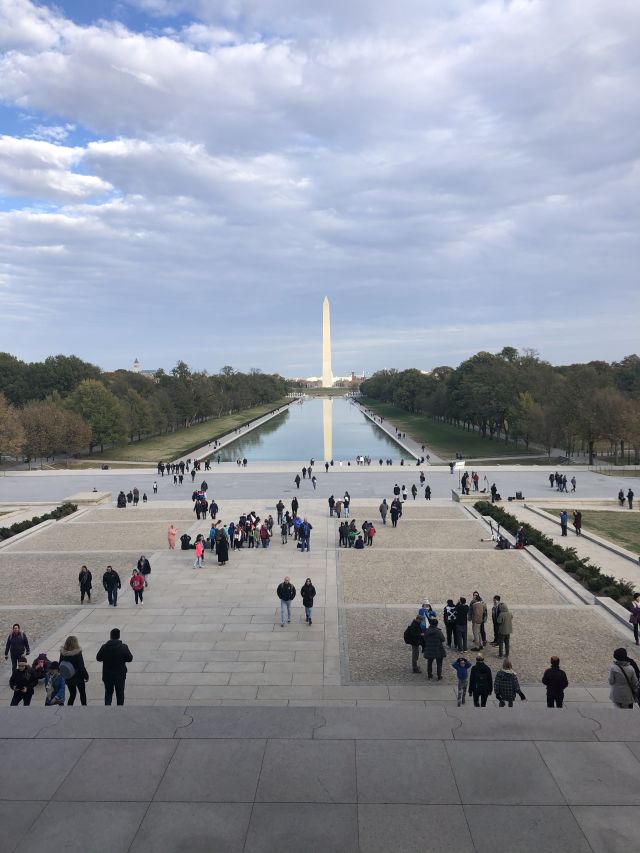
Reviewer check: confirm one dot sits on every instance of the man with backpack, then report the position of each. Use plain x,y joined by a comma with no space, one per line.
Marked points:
413,637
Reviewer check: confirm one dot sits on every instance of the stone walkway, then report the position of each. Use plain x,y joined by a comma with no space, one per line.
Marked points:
212,636
319,780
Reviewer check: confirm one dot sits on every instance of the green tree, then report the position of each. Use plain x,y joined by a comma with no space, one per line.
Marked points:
101,410
11,432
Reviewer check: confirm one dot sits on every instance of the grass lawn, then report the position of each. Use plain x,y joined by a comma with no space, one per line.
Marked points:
443,439
175,444
622,528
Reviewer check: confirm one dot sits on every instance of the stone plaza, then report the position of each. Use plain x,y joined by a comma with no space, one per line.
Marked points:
238,734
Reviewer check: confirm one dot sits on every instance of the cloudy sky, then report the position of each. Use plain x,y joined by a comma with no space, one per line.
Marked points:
188,179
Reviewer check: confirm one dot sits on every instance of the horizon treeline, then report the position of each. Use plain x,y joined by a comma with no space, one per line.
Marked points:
515,396
66,405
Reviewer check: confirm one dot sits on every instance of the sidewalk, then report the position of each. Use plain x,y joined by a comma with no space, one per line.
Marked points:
608,561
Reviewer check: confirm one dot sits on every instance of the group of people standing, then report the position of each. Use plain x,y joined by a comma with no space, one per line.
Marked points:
67,673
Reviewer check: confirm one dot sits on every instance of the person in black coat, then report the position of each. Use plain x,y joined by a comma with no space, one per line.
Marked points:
461,616
413,637
22,682
308,593
17,645
144,567
286,592
111,583
434,641
556,682
85,580
480,682
114,656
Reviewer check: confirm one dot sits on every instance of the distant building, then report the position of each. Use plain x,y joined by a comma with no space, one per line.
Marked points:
136,366
150,374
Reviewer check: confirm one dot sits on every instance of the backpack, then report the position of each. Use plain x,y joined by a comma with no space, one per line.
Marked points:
408,636
67,670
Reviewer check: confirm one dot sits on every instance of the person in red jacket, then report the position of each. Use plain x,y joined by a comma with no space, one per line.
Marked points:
136,583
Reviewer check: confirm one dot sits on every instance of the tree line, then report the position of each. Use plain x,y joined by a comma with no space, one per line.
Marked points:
515,396
66,405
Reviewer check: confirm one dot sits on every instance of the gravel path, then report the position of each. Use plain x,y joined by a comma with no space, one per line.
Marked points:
403,577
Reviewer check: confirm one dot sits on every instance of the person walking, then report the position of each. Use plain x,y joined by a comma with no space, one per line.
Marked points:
556,682
17,646
395,512
171,537
294,506
286,592
144,567
384,509
308,593
413,637
414,491
480,682
434,649
505,628
332,502
577,522
114,656
462,667
296,480
427,493
564,521
74,670
85,581
623,680
371,532
199,560
461,616
634,618
23,681
111,583
621,497
304,534
506,685
630,497
222,546
136,582
155,487
574,483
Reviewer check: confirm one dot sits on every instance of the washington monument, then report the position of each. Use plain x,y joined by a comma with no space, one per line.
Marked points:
327,375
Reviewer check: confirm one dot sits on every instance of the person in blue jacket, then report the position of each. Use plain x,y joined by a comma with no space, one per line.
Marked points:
462,667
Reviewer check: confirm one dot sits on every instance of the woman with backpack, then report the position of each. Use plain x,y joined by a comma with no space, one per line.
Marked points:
144,567
73,670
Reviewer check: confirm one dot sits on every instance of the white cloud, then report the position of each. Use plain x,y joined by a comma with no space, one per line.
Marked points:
420,161
37,169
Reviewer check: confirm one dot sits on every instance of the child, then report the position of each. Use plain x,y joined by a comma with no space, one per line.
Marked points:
284,530
462,667
55,685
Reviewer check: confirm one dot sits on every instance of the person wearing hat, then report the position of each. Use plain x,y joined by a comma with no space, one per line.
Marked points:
623,681
480,682
556,682
22,682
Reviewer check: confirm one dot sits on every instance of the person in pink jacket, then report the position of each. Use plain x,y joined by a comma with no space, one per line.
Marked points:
199,560
136,582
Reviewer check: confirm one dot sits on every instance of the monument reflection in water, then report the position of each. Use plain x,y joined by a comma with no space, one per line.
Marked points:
320,429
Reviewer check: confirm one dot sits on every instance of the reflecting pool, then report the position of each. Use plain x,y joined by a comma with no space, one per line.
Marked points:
318,428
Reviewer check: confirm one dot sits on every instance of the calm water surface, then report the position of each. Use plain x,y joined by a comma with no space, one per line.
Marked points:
330,428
